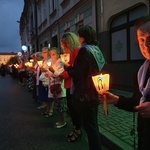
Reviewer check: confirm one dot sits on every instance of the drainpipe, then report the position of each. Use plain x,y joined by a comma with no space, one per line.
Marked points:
149,6
96,18
36,26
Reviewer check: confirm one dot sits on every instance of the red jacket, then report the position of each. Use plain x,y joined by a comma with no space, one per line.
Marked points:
65,75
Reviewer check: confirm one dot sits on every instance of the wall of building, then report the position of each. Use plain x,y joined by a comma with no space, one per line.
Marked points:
64,15
4,57
114,7
122,72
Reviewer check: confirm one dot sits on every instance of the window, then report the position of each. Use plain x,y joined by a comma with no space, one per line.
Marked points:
67,27
52,6
41,46
78,25
119,47
44,10
123,44
54,41
45,44
39,15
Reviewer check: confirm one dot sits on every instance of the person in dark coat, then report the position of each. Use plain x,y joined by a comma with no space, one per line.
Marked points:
3,70
141,98
88,62
14,72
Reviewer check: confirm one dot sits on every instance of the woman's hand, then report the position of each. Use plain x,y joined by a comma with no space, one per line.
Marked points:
51,69
66,64
46,74
144,109
109,97
43,69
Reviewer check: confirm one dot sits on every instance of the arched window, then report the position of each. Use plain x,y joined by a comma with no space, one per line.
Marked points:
123,44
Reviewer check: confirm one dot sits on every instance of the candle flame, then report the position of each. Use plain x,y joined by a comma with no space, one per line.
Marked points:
49,63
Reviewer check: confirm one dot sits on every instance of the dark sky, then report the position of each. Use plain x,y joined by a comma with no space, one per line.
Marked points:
10,12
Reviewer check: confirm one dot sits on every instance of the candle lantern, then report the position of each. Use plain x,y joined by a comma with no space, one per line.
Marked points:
65,58
101,83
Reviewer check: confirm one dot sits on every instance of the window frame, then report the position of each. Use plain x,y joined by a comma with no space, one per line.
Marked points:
131,49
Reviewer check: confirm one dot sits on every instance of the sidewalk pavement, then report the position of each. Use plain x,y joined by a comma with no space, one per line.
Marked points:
115,128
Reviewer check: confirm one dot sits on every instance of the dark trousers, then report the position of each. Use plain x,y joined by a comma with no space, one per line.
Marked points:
34,94
74,115
90,123
22,75
143,133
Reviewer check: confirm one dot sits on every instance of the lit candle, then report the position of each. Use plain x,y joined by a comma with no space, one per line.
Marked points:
49,63
31,60
65,58
49,45
40,63
26,64
30,64
16,65
101,83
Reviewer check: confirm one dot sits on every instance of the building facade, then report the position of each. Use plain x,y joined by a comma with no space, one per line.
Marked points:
4,57
43,22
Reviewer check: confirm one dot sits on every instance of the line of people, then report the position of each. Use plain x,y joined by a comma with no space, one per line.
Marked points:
61,85
75,89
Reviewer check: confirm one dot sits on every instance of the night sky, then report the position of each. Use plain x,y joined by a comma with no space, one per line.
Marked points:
10,13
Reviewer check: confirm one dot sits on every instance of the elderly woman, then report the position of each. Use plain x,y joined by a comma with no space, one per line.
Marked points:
43,90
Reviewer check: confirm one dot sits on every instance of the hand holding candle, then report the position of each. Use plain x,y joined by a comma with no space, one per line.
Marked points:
40,63
101,83
29,64
65,58
16,65
31,60
49,63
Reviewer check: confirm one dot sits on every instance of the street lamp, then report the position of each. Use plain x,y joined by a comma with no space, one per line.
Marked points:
24,48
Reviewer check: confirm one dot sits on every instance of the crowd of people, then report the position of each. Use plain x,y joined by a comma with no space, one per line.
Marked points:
67,87
60,78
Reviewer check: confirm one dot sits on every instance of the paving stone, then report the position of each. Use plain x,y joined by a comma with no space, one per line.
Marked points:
117,125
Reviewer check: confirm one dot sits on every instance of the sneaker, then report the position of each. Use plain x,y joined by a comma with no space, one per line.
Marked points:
49,114
59,125
41,107
44,113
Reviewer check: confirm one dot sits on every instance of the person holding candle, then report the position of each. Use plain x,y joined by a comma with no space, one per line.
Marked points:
21,71
140,101
43,90
55,69
70,45
88,62
36,57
